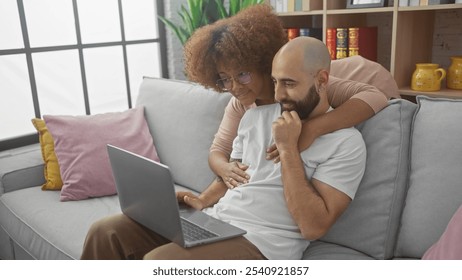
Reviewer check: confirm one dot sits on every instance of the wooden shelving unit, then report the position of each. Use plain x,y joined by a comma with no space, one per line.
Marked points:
405,34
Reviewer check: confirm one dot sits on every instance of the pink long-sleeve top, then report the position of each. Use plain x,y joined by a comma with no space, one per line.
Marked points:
339,91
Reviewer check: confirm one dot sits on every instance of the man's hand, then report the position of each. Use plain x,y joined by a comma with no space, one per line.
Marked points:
190,199
272,153
286,131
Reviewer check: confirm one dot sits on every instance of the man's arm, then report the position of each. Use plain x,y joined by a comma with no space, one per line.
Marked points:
314,205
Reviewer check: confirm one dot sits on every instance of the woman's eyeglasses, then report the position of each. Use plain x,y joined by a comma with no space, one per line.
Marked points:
226,84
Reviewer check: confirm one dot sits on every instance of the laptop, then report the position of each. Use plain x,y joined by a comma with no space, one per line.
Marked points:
147,195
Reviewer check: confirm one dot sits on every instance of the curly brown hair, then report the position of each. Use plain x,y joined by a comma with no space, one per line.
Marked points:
249,40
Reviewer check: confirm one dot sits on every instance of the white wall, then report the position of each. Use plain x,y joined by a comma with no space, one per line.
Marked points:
447,37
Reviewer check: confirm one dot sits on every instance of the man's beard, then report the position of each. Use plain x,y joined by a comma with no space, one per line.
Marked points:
303,107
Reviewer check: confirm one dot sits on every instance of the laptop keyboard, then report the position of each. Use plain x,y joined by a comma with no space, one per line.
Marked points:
194,232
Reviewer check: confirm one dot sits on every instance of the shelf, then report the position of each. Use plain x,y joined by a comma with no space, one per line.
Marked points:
443,93
430,7
406,35
301,13
360,11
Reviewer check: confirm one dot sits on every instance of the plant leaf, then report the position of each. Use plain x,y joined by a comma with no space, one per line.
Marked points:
222,13
234,6
193,10
187,19
173,27
212,10
202,12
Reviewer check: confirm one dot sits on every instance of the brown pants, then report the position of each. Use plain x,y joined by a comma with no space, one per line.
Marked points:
119,237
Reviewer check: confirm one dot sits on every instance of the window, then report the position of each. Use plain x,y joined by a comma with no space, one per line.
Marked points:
73,57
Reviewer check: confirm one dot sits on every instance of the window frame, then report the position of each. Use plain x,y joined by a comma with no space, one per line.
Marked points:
24,140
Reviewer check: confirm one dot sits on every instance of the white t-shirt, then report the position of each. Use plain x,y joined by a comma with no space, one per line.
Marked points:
259,207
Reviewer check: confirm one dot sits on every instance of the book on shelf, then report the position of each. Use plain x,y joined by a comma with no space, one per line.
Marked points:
293,33
298,6
342,42
280,6
363,41
283,6
312,32
349,41
434,2
304,31
290,5
403,3
302,5
331,42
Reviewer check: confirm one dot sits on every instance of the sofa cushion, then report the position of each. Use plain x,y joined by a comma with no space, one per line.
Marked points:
319,250
183,138
370,223
80,145
6,250
47,228
51,167
44,228
21,168
435,183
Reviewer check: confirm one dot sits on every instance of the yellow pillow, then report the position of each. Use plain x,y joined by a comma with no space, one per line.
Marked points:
51,168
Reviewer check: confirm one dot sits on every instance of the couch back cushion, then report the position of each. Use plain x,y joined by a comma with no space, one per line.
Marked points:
183,118
21,168
370,223
435,183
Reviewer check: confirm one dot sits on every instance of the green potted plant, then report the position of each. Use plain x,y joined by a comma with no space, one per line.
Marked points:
203,12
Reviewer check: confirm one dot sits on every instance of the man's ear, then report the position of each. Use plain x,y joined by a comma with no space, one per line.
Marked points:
323,77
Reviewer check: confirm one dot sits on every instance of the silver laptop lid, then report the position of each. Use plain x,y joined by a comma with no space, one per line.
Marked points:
142,185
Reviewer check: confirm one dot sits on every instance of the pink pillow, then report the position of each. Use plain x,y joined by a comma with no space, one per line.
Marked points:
80,146
449,246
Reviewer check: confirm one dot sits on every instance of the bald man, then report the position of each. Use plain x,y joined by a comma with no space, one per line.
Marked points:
284,205
318,194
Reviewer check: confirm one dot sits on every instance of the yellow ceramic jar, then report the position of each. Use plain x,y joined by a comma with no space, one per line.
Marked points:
427,77
454,79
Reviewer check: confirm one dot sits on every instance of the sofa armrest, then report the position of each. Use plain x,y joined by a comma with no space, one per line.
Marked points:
21,168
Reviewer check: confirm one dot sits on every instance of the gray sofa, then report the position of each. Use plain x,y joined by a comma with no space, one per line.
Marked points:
411,188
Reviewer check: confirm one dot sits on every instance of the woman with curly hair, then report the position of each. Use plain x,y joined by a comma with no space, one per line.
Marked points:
235,55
